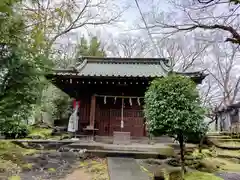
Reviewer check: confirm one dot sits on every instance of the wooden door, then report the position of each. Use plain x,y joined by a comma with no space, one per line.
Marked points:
102,122
133,121
115,120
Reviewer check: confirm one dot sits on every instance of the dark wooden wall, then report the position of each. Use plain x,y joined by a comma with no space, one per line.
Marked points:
108,115
84,113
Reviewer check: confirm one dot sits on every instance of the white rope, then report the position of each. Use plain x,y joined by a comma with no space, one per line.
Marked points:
140,97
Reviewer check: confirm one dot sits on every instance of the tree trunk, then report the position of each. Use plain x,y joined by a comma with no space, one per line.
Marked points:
182,151
201,144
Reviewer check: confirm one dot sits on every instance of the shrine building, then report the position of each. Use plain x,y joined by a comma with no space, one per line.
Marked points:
111,91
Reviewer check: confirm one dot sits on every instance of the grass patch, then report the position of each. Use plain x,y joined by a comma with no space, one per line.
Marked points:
201,176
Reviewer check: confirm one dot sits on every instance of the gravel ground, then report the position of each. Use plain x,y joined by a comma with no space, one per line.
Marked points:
229,175
50,165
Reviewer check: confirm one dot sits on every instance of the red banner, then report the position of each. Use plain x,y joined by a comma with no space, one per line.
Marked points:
75,102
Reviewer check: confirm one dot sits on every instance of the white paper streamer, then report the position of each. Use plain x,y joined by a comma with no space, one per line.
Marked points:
73,120
138,100
130,101
115,99
105,99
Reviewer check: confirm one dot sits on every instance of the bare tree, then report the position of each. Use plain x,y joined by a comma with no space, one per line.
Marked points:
128,45
183,52
223,82
195,15
52,19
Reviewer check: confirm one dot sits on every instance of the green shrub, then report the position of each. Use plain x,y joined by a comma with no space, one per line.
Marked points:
194,138
13,129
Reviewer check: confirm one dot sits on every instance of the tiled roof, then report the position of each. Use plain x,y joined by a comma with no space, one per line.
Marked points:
118,67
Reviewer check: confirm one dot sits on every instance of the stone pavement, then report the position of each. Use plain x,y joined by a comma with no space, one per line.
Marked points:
125,168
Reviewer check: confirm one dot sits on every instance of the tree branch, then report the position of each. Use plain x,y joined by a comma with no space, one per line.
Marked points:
235,34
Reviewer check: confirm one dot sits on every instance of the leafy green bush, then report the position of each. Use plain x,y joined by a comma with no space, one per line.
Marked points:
13,129
194,138
173,107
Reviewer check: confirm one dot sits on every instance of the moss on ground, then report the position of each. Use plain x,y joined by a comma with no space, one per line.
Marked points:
205,153
227,152
11,157
8,166
167,151
96,167
226,164
51,170
229,143
14,178
41,133
201,176
150,174
27,166
211,160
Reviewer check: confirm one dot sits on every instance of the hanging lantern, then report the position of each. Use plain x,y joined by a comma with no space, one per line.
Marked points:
130,101
115,99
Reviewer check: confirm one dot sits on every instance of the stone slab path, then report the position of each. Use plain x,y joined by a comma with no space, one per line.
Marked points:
78,174
125,168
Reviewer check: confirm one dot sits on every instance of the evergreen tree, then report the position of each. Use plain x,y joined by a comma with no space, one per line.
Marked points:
20,70
91,48
172,107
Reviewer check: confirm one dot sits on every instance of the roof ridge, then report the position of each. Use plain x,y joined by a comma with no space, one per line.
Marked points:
122,60
81,65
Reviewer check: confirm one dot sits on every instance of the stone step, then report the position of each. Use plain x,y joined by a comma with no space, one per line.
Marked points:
129,154
219,137
132,147
228,140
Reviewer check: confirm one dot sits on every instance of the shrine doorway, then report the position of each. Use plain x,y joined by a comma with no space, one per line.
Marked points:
119,114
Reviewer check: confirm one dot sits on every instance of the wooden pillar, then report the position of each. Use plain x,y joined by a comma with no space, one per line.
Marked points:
92,111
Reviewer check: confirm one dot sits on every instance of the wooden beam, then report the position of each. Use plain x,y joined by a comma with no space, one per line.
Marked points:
92,110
